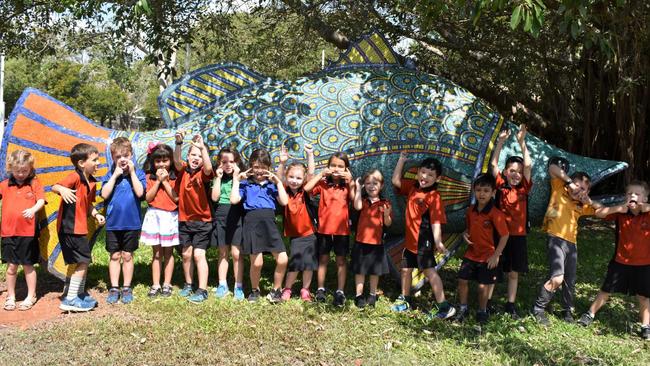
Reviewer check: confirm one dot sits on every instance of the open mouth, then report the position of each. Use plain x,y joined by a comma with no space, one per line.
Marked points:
608,187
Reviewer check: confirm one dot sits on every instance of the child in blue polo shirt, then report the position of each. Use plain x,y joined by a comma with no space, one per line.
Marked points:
122,188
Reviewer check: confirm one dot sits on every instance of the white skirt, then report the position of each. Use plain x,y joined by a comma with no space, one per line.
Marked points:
160,227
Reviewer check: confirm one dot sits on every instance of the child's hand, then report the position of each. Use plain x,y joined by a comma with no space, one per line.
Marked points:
219,172
326,172
245,174
346,176
130,167
180,135
101,220
440,248
359,184
503,135
466,238
309,150
403,156
284,155
118,171
162,175
68,195
493,261
521,134
197,141
386,210
29,213
271,176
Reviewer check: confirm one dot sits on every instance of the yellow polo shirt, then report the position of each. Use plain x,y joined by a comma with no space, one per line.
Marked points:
562,214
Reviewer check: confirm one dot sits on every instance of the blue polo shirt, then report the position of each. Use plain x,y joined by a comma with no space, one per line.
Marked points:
256,196
123,206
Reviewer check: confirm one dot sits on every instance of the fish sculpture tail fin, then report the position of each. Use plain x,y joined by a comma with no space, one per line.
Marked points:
48,129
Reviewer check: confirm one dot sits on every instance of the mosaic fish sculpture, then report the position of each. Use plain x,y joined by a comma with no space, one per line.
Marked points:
366,103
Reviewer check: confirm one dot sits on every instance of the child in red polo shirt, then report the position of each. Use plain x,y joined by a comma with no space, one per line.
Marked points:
336,189
298,224
194,216
480,262
22,197
425,215
368,254
513,187
77,192
629,271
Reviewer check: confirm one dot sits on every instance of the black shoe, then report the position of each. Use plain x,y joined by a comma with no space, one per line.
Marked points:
645,332
371,300
482,317
275,296
491,309
461,315
586,319
511,310
360,302
540,316
254,295
567,316
153,292
339,298
321,296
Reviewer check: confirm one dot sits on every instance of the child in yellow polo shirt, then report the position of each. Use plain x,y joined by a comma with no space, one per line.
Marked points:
568,202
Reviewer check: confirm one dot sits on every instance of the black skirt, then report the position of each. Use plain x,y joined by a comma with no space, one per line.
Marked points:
303,254
369,259
227,225
260,234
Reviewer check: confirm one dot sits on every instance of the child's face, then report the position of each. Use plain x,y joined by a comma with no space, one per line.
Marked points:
228,162
513,173
337,166
21,172
122,158
427,177
295,177
373,185
583,185
89,166
162,163
484,194
258,171
636,194
194,158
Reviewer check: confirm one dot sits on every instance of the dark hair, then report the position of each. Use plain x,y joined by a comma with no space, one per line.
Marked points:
261,156
81,152
235,154
580,176
339,155
514,159
161,151
563,163
432,164
485,180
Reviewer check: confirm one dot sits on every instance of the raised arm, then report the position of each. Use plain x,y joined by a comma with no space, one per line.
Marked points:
358,202
284,156
197,141
283,197
235,197
216,185
528,162
309,186
397,173
494,162
178,159
107,188
311,164
136,184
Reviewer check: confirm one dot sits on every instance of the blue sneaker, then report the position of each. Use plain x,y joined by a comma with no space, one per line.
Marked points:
127,295
221,291
199,296
239,293
76,305
85,296
400,305
186,291
113,295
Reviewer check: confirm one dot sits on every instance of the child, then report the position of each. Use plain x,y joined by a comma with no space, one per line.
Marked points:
368,254
77,192
484,222
160,223
22,198
629,271
194,217
122,189
423,233
227,222
259,189
298,225
513,187
568,202
336,189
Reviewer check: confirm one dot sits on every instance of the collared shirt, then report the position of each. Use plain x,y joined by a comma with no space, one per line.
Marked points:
333,211
257,196
562,213
632,238
418,203
513,201
484,227
297,222
73,217
123,206
192,189
162,200
370,228
16,199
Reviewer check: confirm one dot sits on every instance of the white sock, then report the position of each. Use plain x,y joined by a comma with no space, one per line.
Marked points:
73,289
223,283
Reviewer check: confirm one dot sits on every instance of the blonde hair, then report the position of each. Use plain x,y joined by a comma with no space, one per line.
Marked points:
121,143
20,158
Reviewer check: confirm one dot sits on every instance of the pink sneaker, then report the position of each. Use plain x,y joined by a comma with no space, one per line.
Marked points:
286,294
305,295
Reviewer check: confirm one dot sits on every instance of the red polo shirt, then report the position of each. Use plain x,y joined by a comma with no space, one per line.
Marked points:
162,200
333,215
418,202
192,189
370,227
513,201
632,238
16,199
73,217
297,222
483,227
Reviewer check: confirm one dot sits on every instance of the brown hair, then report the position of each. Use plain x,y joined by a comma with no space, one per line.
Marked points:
639,183
81,152
363,181
121,143
235,155
261,156
20,158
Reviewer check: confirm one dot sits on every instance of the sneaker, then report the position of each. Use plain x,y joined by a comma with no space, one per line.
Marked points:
221,291
645,332
275,296
371,300
113,295
76,305
254,296
321,296
286,294
239,293
482,317
586,319
491,309
186,291
199,296
446,312
127,295
339,298
305,295
461,314
511,310
154,292
166,291
567,316
540,316
360,302
85,296
400,305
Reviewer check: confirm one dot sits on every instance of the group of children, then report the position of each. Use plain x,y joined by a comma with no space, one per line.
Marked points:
193,206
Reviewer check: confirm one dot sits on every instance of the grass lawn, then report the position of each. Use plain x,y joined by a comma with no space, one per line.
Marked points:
174,331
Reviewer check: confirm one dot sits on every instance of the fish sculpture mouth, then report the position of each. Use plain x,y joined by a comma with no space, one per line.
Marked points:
608,186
